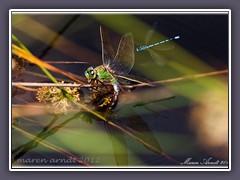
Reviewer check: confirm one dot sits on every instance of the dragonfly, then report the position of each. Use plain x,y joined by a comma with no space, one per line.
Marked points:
153,49
115,67
144,47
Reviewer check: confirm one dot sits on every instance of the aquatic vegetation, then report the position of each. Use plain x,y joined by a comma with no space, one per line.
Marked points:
58,103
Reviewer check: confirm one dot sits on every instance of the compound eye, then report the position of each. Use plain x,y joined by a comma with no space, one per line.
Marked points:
92,72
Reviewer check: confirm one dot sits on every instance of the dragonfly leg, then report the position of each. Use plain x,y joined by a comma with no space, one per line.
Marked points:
115,95
111,100
96,88
106,101
105,96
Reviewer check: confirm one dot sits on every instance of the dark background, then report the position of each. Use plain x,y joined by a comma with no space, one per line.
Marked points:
202,35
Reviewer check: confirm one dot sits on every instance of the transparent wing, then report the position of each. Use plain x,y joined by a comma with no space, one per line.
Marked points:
150,32
107,49
157,57
164,47
124,58
148,36
132,78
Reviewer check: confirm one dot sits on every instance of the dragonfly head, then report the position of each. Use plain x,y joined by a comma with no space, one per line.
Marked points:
90,73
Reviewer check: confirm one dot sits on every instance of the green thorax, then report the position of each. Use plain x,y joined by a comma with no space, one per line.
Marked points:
102,73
